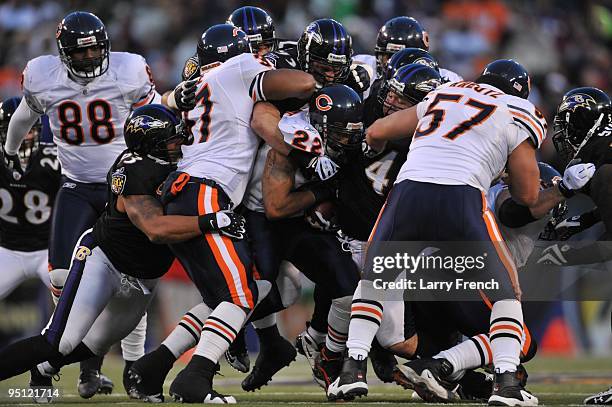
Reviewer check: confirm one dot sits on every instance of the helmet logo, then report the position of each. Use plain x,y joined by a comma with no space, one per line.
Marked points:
425,38
323,102
578,100
428,86
144,124
86,41
314,34
426,62
58,32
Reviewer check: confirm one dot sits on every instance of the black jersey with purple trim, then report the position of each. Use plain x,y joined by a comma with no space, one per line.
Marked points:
26,204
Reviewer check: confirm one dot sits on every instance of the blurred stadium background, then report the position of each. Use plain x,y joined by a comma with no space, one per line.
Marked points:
562,43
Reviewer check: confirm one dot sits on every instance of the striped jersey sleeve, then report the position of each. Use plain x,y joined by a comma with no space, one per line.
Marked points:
529,119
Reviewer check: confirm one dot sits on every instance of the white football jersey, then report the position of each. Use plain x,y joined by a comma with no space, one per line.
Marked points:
520,241
369,63
299,133
225,146
87,120
466,132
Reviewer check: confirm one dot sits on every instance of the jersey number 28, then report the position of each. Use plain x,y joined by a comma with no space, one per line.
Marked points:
36,203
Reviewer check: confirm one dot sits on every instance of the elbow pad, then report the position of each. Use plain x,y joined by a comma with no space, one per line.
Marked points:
513,215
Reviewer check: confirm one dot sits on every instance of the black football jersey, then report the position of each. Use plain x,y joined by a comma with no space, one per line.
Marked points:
363,187
129,249
597,150
26,204
372,108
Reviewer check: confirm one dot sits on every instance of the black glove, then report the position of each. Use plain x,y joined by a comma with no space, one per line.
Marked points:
225,222
13,164
324,191
171,187
576,224
319,166
185,95
358,79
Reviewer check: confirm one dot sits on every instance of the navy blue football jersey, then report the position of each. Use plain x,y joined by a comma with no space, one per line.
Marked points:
26,204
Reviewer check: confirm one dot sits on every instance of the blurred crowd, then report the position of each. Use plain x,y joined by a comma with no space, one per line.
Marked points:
562,43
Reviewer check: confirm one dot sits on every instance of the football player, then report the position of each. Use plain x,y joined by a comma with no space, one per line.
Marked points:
117,263
583,125
495,107
87,92
26,206
435,378
395,35
219,164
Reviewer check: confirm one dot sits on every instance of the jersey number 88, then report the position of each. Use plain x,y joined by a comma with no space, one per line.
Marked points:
100,125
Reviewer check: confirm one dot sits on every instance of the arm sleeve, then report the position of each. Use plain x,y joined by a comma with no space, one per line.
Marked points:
22,121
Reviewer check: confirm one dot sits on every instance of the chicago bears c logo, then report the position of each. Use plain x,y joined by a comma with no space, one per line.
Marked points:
323,102
144,123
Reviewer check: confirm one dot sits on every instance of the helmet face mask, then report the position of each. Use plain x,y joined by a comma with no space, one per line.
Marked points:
581,112
395,101
325,51
83,45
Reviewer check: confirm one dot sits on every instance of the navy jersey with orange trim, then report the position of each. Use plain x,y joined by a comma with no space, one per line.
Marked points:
128,248
25,204
363,187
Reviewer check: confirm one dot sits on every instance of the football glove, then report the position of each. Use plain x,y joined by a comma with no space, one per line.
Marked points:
225,222
185,95
358,79
575,178
323,167
13,164
368,152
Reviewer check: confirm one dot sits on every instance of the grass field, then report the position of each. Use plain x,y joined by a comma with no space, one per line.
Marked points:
556,381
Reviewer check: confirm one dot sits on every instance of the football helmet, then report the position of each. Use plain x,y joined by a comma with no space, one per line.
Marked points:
157,132
336,111
409,56
325,50
396,34
582,110
29,145
80,30
411,83
508,76
220,43
257,24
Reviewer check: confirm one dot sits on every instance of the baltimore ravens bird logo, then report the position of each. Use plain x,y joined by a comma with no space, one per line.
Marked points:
144,124
577,100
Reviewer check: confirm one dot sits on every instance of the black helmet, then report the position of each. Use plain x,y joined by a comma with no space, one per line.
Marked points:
409,56
220,43
581,111
326,42
257,24
412,82
82,30
336,111
397,34
29,145
508,76
149,129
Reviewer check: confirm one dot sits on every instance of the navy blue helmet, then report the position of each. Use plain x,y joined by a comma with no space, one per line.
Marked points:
508,76
257,24
220,43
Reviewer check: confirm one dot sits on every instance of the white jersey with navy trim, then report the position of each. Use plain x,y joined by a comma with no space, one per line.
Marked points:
299,133
520,241
225,146
466,132
87,119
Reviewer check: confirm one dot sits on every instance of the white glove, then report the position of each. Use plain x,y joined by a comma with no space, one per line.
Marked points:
577,176
324,167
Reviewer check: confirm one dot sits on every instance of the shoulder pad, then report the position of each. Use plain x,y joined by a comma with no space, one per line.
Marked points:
128,67
38,71
527,116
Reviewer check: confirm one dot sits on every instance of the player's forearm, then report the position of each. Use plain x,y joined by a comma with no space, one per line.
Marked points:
547,200
398,125
282,84
280,207
265,124
173,229
20,124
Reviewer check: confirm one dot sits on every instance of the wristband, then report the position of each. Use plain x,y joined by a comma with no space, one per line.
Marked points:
206,223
